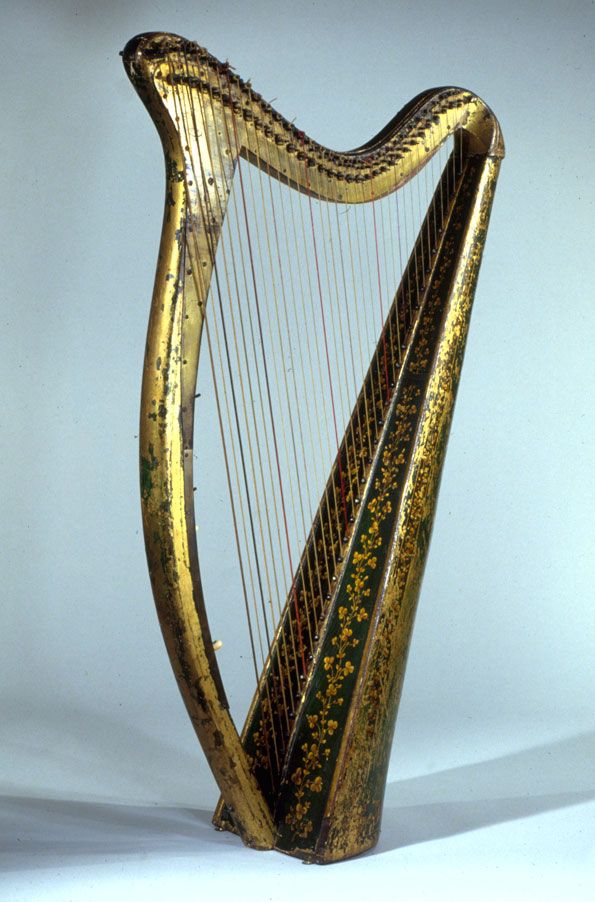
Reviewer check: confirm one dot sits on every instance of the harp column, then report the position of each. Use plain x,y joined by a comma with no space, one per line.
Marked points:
353,813
194,209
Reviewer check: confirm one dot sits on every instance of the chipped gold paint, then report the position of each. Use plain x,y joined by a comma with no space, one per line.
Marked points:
181,83
337,666
355,810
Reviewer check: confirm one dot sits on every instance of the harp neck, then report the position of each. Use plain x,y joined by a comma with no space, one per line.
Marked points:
169,71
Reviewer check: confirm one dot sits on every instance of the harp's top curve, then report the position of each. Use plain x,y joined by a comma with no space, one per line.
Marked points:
379,166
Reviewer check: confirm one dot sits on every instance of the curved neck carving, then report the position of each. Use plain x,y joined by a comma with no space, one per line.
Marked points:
174,66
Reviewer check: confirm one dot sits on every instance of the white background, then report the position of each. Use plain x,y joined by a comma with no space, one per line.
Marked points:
107,795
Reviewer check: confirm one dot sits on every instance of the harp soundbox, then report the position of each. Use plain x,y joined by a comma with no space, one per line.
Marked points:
322,300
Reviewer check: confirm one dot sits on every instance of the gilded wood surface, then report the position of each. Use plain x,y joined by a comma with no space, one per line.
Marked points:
327,804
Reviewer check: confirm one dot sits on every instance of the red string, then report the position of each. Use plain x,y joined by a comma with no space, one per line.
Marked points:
293,589
324,332
380,297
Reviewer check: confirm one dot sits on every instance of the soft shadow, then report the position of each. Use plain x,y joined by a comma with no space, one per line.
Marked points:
36,833
516,786
102,752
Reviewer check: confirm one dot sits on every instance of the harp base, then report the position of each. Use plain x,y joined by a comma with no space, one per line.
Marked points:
320,855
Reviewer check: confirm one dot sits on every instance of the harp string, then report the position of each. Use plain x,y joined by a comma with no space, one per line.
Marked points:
252,263
190,226
253,414
381,303
368,404
298,405
270,736
264,484
200,289
323,428
325,340
293,403
352,331
339,307
267,380
285,404
223,431
256,466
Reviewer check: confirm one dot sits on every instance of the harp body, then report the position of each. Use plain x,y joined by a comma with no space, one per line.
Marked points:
307,776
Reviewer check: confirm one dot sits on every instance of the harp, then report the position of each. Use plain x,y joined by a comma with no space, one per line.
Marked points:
328,295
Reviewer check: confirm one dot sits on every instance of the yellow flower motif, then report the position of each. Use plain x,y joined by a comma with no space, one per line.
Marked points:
364,560
316,784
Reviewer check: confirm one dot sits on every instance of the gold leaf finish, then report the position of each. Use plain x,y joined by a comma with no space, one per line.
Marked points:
325,803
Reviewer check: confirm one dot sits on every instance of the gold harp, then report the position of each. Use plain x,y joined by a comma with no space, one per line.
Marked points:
329,289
